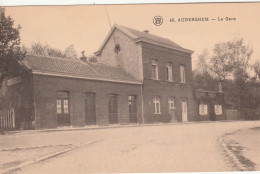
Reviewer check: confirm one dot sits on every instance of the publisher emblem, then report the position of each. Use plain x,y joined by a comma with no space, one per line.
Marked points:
157,20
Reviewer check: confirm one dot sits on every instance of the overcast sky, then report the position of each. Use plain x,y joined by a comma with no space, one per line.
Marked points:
86,26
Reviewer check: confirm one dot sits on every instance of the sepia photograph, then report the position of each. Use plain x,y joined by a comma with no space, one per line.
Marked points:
130,88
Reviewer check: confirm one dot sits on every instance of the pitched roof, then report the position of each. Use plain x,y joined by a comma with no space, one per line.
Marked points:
76,69
146,37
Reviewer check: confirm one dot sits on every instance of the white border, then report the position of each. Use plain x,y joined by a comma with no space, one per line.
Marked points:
81,2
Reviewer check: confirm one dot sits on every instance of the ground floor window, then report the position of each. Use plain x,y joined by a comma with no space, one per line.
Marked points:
62,108
132,104
62,102
171,105
218,109
113,108
203,108
132,108
157,105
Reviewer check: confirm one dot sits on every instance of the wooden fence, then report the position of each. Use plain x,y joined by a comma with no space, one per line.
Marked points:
232,114
7,119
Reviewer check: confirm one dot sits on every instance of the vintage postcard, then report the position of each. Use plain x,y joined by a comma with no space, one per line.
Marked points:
134,88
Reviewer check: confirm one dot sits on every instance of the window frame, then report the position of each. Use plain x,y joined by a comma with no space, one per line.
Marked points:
171,100
114,103
157,103
182,74
62,100
169,66
218,109
155,69
203,108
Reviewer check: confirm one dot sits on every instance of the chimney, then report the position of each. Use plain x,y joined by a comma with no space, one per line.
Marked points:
146,31
83,58
220,87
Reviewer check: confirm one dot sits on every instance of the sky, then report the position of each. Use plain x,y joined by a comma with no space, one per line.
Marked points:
86,26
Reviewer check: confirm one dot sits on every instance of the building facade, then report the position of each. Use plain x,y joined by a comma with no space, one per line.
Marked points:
138,78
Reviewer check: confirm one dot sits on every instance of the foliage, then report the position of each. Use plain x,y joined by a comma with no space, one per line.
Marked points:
70,52
40,49
229,65
9,43
230,59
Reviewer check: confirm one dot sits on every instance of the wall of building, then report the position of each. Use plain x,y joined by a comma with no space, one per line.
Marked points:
164,88
45,98
19,96
210,99
129,57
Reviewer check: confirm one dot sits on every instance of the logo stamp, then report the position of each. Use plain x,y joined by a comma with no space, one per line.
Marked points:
157,20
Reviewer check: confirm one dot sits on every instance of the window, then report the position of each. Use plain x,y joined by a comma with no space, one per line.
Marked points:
203,108
132,104
117,48
62,103
169,71
155,69
59,106
66,106
218,109
182,73
171,105
112,104
157,105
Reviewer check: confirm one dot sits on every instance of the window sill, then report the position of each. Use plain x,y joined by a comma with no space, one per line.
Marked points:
157,113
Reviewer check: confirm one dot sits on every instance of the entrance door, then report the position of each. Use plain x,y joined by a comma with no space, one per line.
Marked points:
112,108
63,111
132,109
184,111
90,108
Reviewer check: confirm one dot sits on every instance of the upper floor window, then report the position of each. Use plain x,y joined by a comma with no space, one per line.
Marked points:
203,108
157,105
182,74
155,69
169,72
171,104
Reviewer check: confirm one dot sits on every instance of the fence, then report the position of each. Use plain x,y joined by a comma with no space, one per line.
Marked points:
232,114
7,119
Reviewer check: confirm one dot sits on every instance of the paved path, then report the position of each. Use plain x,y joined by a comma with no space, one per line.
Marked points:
168,148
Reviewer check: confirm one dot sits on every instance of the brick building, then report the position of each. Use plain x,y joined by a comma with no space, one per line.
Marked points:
138,78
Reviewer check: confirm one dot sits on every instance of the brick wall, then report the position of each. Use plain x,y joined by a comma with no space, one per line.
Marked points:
19,96
129,57
45,99
164,88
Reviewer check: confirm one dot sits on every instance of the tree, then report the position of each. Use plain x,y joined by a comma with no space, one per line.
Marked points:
9,44
45,50
70,52
40,49
230,59
256,69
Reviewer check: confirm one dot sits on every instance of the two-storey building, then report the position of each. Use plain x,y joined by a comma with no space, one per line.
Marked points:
138,78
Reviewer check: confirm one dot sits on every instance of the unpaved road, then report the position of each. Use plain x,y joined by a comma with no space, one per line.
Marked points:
165,148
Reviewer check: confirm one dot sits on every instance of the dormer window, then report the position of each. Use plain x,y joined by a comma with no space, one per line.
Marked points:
117,48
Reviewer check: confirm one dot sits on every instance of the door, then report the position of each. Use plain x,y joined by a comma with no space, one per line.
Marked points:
63,110
112,109
184,111
90,108
132,109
